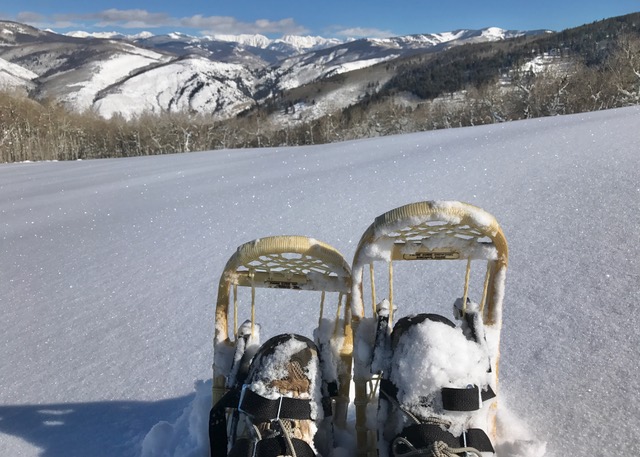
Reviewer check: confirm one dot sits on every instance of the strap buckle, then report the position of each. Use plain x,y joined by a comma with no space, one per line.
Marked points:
464,442
279,409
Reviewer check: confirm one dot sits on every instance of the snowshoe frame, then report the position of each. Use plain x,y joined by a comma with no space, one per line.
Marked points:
284,262
428,230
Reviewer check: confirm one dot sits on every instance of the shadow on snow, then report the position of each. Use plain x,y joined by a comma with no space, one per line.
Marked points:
108,428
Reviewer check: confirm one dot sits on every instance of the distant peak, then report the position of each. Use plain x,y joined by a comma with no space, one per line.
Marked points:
257,40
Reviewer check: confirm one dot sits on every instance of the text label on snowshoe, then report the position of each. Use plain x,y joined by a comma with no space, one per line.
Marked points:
432,255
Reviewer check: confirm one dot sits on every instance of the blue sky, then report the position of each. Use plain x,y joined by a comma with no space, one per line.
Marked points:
329,18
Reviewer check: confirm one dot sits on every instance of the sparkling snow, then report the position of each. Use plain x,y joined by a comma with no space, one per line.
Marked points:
109,274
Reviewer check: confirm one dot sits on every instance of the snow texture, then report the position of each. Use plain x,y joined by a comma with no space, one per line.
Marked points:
110,271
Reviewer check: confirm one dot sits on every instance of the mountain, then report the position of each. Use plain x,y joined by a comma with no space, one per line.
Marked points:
191,84
221,75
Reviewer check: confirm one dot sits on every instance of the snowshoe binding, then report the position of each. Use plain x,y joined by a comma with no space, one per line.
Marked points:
278,406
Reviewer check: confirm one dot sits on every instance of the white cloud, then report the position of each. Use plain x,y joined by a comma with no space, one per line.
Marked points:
361,32
139,18
216,25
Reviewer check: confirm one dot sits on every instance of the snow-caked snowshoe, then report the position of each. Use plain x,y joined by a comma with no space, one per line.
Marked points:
285,396
434,382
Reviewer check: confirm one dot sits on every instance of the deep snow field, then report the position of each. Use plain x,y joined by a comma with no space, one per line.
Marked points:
109,270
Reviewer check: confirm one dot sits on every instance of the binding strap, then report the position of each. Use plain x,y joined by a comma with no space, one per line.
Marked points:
262,409
422,436
469,399
218,440
270,447
453,399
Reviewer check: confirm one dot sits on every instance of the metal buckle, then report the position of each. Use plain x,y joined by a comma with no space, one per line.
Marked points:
279,408
471,386
464,442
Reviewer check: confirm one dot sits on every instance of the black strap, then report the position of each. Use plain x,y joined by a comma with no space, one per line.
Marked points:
262,409
453,399
388,389
407,322
424,435
218,423
270,447
329,391
469,399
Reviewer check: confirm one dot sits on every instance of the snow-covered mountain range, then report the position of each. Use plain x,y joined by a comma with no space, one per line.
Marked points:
221,75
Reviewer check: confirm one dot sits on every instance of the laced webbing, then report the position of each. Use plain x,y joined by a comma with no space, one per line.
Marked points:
235,311
485,289
253,303
339,310
437,449
466,287
390,293
373,290
322,296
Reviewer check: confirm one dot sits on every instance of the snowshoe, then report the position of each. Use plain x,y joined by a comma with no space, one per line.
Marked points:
281,397
433,383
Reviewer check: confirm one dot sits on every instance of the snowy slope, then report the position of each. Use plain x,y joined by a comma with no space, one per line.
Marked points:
101,74
14,76
109,272
185,85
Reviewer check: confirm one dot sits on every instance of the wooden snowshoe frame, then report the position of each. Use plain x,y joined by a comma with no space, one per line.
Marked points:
429,230
285,262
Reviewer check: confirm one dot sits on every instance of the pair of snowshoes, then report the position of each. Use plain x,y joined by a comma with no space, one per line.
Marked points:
424,386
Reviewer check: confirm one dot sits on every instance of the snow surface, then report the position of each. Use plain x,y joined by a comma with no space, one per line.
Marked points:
109,274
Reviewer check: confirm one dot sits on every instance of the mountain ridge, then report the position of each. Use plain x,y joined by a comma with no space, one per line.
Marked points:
85,70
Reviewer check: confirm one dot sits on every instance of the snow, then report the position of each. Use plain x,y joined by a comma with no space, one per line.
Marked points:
107,72
456,363
83,34
110,270
494,33
307,43
546,62
191,84
14,76
257,40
